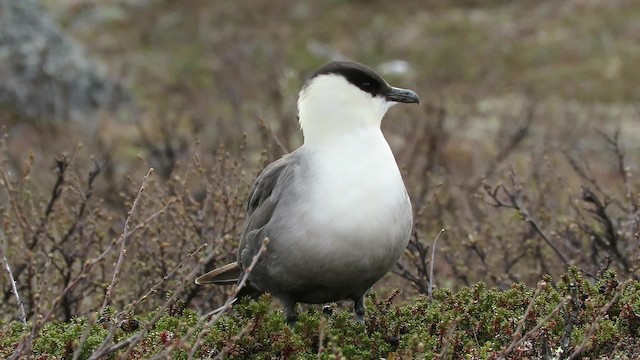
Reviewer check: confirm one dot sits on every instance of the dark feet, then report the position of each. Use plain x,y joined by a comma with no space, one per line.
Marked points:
358,305
291,319
290,311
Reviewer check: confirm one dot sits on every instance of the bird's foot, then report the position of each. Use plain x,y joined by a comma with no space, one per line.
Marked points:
291,319
290,311
358,305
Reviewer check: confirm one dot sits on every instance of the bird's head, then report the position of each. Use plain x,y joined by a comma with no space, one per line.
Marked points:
342,96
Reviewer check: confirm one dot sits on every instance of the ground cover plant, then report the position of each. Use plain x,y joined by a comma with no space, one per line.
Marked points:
522,166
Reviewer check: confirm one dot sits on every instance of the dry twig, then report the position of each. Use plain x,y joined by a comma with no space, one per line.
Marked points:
514,201
14,287
232,298
433,259
531,332
594,325
126,232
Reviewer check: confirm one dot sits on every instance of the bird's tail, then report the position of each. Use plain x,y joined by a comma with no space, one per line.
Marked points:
225,275
229,274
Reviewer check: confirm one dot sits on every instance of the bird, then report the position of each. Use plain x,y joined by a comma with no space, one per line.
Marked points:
335,211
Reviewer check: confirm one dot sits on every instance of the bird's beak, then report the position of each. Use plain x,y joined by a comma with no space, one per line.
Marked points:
402,96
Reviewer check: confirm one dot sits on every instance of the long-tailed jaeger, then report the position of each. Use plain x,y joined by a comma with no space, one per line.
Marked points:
335,210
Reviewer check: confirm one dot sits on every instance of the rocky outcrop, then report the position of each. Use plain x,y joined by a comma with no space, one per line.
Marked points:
45,74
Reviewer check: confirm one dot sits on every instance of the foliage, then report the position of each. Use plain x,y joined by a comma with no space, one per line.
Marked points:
478,322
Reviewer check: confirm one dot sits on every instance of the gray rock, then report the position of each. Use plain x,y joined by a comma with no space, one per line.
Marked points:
45,74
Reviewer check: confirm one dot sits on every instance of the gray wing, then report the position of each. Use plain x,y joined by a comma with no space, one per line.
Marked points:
263,199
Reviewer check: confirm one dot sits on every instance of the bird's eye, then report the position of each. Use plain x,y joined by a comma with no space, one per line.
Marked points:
367,85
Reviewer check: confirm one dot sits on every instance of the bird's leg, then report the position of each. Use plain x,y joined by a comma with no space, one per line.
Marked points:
290,311
358,305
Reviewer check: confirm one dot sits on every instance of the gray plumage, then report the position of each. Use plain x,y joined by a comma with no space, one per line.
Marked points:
335,210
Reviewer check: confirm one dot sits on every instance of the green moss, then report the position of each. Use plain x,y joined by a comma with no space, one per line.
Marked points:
10,336
474,322
61,339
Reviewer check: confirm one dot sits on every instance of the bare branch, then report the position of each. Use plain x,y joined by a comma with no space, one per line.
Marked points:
433,255
513,141
531,332
514,201
123,243
517,337
570,318
232,298
14,288
594,325
445,346
275,137
167,276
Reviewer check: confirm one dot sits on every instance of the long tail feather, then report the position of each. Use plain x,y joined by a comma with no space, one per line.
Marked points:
225,275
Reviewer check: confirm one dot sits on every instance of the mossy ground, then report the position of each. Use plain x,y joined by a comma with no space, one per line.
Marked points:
478,322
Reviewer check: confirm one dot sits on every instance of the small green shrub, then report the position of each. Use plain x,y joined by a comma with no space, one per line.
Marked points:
474,322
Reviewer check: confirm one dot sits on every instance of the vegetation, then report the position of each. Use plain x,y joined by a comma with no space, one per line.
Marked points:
557,320
524,151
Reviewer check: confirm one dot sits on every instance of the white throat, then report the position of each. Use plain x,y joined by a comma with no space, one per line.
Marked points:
330,106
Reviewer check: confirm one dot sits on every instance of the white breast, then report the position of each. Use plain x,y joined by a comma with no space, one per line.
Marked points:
360,206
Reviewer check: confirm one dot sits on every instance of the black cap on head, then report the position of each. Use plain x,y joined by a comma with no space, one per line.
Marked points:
367,80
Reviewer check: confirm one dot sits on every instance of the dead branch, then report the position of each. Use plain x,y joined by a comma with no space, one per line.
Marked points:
512,143
514,201
230,300
433,259
517,337
123,243
531,332
594,325
14,288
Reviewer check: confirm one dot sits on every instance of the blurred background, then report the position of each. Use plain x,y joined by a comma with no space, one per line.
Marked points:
525,147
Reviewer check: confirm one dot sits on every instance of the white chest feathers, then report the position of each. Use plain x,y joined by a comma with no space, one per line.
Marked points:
357,191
